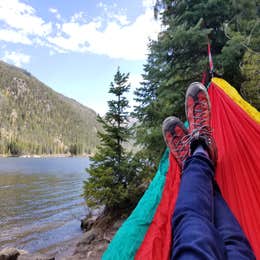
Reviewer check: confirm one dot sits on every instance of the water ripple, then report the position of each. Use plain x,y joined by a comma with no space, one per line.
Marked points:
40,200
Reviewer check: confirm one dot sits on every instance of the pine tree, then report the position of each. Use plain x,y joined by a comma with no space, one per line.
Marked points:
250,88
179,57
115,175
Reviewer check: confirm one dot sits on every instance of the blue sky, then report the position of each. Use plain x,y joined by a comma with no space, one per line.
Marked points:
76,46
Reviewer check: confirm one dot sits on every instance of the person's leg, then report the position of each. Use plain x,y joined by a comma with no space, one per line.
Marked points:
236,243
194,234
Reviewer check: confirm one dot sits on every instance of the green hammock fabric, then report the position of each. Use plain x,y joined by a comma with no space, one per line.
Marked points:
135,227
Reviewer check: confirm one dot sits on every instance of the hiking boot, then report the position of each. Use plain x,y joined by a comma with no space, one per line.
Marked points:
197,107
198,112
176,138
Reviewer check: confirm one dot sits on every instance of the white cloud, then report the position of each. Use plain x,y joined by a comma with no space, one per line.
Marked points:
112,35
16,58
113,13
9,35
78,17
55,12
116,40
148,3
22,17
122,19
76,36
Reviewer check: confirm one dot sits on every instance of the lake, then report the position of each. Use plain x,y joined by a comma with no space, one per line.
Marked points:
41,203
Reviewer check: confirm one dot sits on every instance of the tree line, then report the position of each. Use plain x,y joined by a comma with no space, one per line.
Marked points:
14,147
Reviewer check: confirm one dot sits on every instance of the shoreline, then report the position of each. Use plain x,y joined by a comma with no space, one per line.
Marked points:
45,156
62,250
97,232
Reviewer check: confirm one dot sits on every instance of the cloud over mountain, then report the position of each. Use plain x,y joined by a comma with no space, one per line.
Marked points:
112,34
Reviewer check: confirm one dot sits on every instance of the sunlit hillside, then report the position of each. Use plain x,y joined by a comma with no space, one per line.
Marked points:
37,120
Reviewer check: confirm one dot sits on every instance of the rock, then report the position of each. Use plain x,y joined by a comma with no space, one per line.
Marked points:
109,233
97,250
90,219
35,257
87,238
22,252
100,231
118,224
94,251
86,224
101,247
9,254
14,254
91,246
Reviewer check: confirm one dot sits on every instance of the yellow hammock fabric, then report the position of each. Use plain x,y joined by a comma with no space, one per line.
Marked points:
234,95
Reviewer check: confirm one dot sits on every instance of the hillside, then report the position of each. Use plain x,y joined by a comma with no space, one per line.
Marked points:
37,120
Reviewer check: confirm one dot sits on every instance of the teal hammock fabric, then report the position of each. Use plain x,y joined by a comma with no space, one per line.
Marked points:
133,230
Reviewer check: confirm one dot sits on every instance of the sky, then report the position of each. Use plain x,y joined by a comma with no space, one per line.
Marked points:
75,47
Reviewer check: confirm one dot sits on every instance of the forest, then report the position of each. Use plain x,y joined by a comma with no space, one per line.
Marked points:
36,120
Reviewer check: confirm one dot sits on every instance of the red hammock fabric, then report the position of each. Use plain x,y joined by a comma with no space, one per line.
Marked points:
238,174
157,240
238,170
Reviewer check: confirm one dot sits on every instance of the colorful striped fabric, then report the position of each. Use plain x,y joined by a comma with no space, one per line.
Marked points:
146,234
131,234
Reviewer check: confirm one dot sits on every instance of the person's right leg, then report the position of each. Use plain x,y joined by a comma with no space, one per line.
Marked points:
236,243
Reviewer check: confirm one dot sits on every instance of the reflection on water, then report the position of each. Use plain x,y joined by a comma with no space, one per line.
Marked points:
40,202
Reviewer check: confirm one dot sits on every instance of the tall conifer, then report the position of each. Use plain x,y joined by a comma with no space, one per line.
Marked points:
115,174
180,57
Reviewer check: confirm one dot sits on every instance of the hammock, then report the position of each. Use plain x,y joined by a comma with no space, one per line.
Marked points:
146,234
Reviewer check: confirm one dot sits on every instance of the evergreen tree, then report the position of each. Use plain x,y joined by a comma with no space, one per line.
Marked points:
115,174
250,88
179,57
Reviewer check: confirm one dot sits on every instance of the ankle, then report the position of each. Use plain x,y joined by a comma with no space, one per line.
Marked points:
200,149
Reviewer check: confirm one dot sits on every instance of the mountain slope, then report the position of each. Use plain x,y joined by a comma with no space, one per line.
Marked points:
37,120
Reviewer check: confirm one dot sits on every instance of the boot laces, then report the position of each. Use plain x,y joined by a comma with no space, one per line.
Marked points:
202,131
180,147
200,114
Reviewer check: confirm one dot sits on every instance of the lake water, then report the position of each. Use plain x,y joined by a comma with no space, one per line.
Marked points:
40,202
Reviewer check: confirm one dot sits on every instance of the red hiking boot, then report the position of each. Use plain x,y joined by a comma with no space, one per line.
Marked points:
198,112
176,137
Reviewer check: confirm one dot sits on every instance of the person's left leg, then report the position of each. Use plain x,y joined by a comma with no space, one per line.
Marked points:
194,233
235,241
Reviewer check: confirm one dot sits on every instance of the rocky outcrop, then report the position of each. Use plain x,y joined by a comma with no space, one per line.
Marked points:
35,257
9,254
96,239
99,229
17,254
87,223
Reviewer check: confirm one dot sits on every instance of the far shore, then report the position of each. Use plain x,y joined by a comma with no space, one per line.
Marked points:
44,155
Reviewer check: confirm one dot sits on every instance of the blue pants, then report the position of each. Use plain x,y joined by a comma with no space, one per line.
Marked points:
203,225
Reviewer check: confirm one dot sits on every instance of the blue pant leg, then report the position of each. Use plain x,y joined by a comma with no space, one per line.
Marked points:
236,243
194,234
